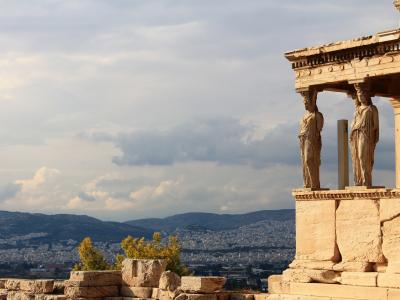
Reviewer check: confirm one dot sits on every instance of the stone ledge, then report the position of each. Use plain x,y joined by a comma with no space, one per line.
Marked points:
359,278
94,278
91,292
350,194
198,284
339,291
136,292
345,293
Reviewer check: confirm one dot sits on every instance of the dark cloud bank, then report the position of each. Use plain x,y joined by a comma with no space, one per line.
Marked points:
226,142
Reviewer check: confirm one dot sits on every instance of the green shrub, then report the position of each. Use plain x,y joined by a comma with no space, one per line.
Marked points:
91,259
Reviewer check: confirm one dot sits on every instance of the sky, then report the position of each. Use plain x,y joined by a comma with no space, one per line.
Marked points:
130,109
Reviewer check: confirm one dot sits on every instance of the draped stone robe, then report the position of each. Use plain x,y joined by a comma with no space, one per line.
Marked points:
310,146
363,139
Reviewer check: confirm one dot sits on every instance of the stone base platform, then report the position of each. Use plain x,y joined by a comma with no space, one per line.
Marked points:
347,246
278,290
320,291
353,230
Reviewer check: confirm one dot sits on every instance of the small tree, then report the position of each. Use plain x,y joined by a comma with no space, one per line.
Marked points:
91,259
139,248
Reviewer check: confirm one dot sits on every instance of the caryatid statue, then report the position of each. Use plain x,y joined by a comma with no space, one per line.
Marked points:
310,140
364,136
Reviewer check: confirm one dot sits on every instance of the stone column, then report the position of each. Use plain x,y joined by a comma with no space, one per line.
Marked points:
343,154
396,107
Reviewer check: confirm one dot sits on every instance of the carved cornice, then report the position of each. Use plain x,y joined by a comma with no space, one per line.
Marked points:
378,45
347,55
352,194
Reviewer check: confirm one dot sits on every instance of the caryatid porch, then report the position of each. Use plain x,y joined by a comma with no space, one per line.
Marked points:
373,61
347,240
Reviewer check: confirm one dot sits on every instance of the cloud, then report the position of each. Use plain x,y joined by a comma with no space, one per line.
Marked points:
187,97
40,177
86,197
39,192
192,186
229,142
9,191
77,203
150,195
224,141
95,198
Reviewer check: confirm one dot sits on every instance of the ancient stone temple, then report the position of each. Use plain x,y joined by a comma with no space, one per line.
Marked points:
347,240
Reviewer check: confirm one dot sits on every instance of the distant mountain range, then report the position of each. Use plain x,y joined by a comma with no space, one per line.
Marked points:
51,228
64,227
209,221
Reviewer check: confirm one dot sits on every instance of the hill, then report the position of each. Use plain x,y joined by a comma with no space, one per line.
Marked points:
210,221
17,226
63,227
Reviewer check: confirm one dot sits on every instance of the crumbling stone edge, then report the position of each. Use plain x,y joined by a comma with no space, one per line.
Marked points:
138,280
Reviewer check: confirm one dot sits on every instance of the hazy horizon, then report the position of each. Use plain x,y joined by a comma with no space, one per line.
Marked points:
177,214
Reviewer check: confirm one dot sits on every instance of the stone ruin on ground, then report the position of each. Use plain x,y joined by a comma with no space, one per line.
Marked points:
138,280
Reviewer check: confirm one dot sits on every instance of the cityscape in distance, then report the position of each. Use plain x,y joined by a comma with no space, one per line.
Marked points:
246,248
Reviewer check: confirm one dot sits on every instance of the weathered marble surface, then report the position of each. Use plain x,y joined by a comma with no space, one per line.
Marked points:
359,278
315,231
198,284
142,272
358,231
94,278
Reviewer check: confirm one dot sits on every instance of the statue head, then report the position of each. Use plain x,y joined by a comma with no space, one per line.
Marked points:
353,95
363,94
397,4
310,100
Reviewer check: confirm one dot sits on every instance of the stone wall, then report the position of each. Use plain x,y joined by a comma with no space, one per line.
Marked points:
355,230
347,246
24,289
138,280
